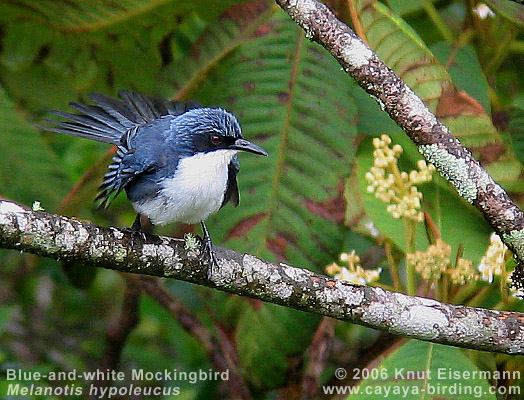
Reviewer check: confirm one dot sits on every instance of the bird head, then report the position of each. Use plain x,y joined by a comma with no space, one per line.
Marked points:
205,130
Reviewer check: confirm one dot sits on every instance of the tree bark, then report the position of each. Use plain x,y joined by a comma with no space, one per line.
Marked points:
433,139
123,250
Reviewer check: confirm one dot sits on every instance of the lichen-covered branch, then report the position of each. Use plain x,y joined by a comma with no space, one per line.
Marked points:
432,138
246,275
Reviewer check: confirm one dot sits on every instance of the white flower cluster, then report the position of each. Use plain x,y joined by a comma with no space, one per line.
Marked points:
483,11
493,262
433,262
353,273
436,261
396,188
463,272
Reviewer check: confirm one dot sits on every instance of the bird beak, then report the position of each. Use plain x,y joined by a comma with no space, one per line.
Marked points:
246,145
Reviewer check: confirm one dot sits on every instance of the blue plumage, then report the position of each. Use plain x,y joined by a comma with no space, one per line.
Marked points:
176,161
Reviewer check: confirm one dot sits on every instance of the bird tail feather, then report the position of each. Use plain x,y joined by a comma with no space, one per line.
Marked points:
110,118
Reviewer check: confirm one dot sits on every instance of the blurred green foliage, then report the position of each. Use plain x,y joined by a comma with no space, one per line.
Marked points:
292,98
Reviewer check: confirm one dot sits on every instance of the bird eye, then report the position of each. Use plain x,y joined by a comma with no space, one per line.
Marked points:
216,139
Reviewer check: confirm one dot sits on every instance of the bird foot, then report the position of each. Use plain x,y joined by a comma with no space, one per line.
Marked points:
137,237
209,252
136,230
207,246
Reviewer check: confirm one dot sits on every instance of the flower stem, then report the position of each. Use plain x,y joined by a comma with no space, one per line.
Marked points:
465,292
393,266
480,297
409,226
437,20
444,288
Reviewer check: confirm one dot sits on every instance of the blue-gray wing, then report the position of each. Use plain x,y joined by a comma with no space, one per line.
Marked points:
119,122
122,170
231,194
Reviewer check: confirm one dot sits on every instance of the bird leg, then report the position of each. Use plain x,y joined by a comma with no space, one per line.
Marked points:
208,245
136,229
137,225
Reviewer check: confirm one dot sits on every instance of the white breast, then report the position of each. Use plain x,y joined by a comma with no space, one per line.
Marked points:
194,192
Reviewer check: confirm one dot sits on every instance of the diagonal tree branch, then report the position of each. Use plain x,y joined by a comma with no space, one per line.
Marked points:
432,138
63,238
222,355
120,331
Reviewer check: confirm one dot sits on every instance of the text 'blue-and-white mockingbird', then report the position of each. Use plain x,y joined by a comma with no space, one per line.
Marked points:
176,161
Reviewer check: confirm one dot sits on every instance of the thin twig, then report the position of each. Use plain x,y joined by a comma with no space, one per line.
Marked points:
119,332
318,354
222,353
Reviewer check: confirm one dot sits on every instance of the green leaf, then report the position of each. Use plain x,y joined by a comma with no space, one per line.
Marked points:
465,71
402,7
267,337
221,38
399,46
371,119
509,10
48,68
30,169
49,57
292,98
516,132
422,370
5,316
22,43
88,15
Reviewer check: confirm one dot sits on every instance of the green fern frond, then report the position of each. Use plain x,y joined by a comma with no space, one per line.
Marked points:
222,37
88,16
293,99
30,169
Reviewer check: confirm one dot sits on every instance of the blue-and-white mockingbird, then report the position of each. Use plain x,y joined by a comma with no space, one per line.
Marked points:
176,161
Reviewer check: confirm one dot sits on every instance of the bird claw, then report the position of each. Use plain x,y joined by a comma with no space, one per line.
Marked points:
208,247
209,252
138,236
136,229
